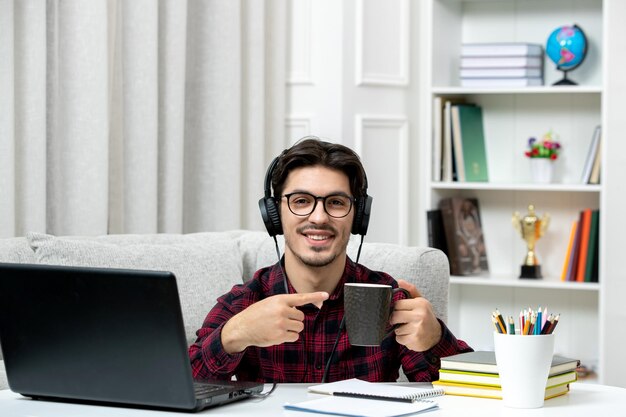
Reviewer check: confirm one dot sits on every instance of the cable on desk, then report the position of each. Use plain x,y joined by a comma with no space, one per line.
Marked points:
262,394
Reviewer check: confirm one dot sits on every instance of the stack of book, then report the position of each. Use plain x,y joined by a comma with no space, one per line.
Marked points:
475,374
581,258
501,64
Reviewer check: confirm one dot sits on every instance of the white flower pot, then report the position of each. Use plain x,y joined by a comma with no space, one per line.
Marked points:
541,170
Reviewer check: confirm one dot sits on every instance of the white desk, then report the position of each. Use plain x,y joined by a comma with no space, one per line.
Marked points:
583,400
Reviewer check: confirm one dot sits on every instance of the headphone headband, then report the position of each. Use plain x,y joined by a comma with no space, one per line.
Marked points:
270,213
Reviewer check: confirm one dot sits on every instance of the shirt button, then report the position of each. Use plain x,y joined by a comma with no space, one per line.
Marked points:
318,366
218,362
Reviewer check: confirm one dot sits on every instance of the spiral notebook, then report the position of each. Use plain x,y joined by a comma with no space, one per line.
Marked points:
353,397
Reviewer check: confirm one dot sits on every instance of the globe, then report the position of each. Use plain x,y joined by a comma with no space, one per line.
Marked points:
567,48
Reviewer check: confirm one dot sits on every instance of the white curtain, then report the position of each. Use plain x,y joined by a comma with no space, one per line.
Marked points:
138,116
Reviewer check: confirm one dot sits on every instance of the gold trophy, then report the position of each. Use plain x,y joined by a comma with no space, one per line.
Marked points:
531,228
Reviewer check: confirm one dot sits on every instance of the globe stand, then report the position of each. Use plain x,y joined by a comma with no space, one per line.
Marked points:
565,80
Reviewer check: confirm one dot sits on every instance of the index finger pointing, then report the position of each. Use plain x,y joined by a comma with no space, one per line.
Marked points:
295,300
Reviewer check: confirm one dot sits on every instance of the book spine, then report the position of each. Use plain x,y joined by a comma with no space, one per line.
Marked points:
595,171
584,244
437,138
436,233
591,155
566,263
457,144
571,271
473,143
593,241
447,217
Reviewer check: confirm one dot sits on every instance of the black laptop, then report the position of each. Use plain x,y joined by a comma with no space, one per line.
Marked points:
101,335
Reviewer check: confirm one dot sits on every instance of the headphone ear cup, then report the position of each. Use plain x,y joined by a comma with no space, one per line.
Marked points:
361,220
270,216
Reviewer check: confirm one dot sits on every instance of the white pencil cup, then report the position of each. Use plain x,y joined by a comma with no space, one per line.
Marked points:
523,364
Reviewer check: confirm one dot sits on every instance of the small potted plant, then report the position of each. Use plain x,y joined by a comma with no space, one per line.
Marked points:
542,154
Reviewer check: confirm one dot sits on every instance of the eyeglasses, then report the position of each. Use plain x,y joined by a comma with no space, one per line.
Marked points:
303,204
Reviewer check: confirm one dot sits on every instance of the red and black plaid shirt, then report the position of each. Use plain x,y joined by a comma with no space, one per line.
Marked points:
305,359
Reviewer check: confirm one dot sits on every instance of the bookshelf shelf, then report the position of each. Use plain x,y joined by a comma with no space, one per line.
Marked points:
566,188
507,281
454,91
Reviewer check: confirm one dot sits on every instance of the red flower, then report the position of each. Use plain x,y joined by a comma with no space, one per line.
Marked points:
553,156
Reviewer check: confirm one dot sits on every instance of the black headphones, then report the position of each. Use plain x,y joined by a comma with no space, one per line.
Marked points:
271,213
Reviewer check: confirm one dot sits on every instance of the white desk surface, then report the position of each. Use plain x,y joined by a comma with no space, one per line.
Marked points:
582,400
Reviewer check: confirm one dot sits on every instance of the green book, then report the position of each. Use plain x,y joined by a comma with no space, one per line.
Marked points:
472,138
485,362
593,243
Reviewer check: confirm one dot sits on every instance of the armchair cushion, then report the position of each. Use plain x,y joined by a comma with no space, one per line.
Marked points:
206,265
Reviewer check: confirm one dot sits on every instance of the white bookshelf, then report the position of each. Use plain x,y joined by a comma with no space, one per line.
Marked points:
511,116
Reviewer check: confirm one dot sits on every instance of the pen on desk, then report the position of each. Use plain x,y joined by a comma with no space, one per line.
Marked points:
373,397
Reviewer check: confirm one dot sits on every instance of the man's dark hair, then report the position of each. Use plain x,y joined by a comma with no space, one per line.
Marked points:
310,151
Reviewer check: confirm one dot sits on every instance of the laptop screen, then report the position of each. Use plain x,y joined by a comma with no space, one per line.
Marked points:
94,334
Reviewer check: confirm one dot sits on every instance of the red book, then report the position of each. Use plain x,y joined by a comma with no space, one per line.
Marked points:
584,245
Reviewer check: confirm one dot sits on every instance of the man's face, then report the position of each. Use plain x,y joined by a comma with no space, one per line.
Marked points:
317,239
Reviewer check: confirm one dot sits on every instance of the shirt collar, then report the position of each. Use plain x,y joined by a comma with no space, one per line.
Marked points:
275,284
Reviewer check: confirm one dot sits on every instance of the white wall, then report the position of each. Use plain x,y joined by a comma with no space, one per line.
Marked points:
352,80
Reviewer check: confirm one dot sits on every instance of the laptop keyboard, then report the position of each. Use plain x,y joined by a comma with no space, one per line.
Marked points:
204,390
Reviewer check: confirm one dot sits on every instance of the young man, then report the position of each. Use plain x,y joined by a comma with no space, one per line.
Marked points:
281,326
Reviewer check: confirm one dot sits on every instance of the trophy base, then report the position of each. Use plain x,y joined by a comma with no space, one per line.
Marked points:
531,272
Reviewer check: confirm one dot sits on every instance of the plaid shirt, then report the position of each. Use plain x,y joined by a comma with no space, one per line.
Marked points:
305,359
